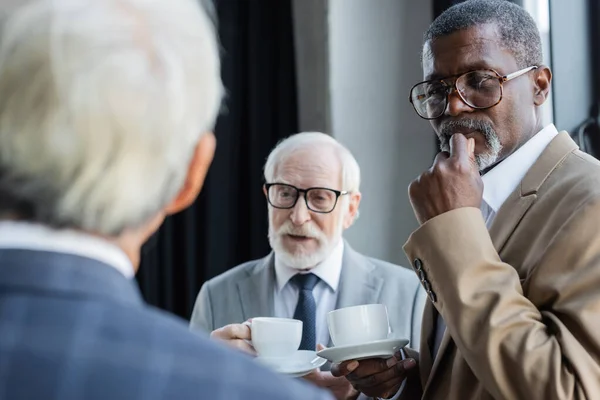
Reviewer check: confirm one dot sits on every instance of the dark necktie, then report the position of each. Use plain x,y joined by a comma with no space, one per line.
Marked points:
306,309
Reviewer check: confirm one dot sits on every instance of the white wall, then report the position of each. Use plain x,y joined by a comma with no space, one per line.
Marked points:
540,11
571,65
374,50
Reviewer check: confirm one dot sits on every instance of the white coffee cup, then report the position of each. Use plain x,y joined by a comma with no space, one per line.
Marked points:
359,324
275,337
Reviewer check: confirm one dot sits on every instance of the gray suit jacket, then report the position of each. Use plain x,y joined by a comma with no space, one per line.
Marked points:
72,328
246,291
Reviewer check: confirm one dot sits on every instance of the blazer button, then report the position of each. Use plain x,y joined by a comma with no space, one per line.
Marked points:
432,296
418,264
427,286
422,276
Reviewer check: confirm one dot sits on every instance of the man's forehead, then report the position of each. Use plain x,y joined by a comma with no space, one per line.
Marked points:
309,167
440,47
459,60
472,48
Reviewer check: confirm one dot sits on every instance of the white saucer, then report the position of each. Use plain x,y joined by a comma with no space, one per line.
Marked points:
377,349
298,364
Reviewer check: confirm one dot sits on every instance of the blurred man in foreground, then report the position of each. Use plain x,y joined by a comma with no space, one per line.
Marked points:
105,119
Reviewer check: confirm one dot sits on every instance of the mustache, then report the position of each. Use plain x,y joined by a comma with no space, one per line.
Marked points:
448,128
307,230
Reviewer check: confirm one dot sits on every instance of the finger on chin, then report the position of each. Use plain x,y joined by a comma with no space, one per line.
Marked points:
471,146
459,146
471,150
441,156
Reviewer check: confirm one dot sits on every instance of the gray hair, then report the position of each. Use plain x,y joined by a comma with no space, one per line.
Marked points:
102,105
518,30
286,147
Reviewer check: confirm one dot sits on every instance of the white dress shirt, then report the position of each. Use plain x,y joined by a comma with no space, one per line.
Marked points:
29,236
325,292
499,183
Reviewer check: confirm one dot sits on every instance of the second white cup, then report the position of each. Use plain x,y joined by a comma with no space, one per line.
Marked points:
358,325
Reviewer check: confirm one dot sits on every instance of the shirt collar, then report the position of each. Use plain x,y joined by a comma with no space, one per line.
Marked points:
328,270
504,178
30,236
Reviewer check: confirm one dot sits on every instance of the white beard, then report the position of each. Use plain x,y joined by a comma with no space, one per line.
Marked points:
302,259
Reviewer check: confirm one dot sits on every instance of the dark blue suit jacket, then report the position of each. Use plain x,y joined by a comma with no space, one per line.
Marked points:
74,328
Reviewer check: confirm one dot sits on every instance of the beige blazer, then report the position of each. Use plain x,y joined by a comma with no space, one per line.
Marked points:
522,301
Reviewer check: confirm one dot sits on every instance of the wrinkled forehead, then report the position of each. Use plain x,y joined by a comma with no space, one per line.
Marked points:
310,167
479,47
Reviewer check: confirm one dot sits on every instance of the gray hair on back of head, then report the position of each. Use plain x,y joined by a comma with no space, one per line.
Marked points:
102,106
518,31
286,147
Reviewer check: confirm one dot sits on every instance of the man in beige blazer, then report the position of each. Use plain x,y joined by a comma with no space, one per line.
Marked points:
509,244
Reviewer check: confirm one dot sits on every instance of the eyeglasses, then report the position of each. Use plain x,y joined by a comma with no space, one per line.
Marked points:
318,199
478,89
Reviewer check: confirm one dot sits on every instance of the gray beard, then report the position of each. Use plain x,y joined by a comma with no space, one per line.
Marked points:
494,147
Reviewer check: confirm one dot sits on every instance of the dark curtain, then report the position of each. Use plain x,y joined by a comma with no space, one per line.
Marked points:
228,223
439,6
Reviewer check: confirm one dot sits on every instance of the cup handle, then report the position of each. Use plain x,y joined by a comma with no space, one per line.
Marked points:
248,323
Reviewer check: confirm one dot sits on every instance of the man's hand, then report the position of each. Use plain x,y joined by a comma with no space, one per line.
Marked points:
339,386
376,377
236,336
452,182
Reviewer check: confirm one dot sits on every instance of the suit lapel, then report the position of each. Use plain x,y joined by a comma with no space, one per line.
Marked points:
517,204
256,291
357,285
508,217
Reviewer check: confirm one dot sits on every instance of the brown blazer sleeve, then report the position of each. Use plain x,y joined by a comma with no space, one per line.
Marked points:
545,345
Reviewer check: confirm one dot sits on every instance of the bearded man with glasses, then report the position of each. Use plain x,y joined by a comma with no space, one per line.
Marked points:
312,191
508,249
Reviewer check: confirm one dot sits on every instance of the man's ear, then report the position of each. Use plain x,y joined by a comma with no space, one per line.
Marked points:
352,213
197,170
542,84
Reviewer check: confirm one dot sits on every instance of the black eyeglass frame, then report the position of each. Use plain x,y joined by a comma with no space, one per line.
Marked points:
338,194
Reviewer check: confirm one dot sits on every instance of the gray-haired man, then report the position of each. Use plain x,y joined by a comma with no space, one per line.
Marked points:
105,119
312,191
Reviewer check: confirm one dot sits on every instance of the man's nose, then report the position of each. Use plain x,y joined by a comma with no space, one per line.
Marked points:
456,105
300,213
